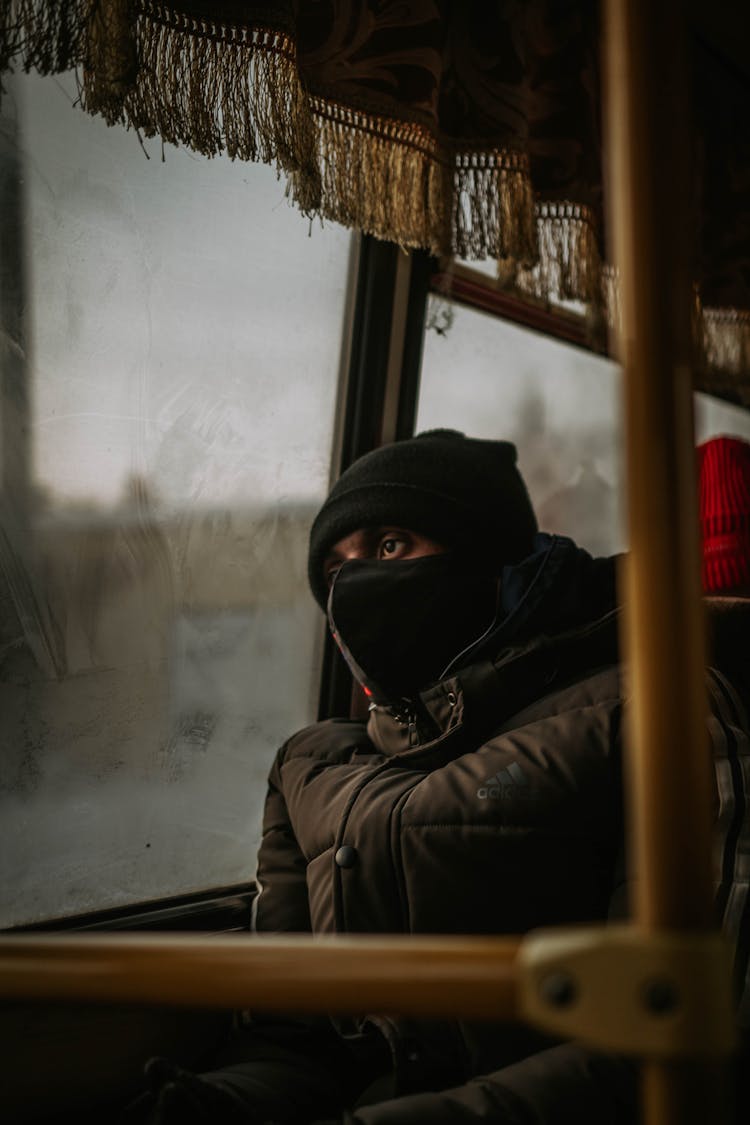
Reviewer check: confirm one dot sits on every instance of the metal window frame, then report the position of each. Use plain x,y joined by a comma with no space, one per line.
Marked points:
216,910
380,388
458,282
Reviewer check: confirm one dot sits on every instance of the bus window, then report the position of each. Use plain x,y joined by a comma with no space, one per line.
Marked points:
559,403
170,383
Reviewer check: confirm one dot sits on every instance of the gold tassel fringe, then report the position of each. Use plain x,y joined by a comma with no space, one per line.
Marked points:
381,177
218,88
722,342
569,266
210,87
725,336
493,208
111,62
48,36
392,180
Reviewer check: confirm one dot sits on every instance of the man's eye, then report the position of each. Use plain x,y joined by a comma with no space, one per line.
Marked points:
390,546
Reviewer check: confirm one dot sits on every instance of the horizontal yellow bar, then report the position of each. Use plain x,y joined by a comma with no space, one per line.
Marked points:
435,976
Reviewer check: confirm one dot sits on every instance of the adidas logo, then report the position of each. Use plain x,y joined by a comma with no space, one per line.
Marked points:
511,781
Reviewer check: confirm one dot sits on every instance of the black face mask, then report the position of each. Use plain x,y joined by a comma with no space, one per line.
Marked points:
401,623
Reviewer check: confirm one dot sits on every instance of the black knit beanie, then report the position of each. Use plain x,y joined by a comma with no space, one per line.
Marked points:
463,492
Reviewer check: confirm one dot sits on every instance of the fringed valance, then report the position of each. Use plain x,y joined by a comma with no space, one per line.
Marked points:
465,129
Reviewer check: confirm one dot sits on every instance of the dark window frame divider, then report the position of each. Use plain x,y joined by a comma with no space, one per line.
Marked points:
215,911
379,400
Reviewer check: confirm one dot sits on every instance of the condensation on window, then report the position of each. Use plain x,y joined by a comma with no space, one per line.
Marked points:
171,337
559,404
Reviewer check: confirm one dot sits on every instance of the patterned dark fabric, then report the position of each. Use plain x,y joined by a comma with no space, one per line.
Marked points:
437,124
458,126
478,77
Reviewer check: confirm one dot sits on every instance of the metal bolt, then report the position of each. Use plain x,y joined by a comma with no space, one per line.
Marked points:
559,990
660,996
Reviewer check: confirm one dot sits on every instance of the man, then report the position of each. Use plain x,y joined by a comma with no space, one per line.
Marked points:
481,796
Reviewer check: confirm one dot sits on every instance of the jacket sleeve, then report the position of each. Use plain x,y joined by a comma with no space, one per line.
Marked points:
298,1064
281,904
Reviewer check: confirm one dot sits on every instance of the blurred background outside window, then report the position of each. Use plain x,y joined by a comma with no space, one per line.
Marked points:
171,350
560,404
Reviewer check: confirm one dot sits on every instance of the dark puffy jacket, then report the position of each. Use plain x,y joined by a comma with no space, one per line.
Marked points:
493,809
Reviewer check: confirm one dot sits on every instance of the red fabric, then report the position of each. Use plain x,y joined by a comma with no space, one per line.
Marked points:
724,509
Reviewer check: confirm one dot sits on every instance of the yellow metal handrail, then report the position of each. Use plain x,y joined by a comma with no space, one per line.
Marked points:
429,976
662,996
669,778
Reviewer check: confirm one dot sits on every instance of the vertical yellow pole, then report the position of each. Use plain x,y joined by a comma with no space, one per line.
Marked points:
669,770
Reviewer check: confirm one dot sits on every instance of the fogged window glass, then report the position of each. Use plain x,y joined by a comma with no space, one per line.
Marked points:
562,407
171,332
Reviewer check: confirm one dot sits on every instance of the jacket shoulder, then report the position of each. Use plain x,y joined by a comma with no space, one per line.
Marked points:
329,740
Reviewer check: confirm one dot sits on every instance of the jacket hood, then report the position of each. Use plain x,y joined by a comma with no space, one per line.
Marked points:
558,587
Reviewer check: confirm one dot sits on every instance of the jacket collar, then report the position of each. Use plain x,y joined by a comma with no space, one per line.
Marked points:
463,710
558,587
